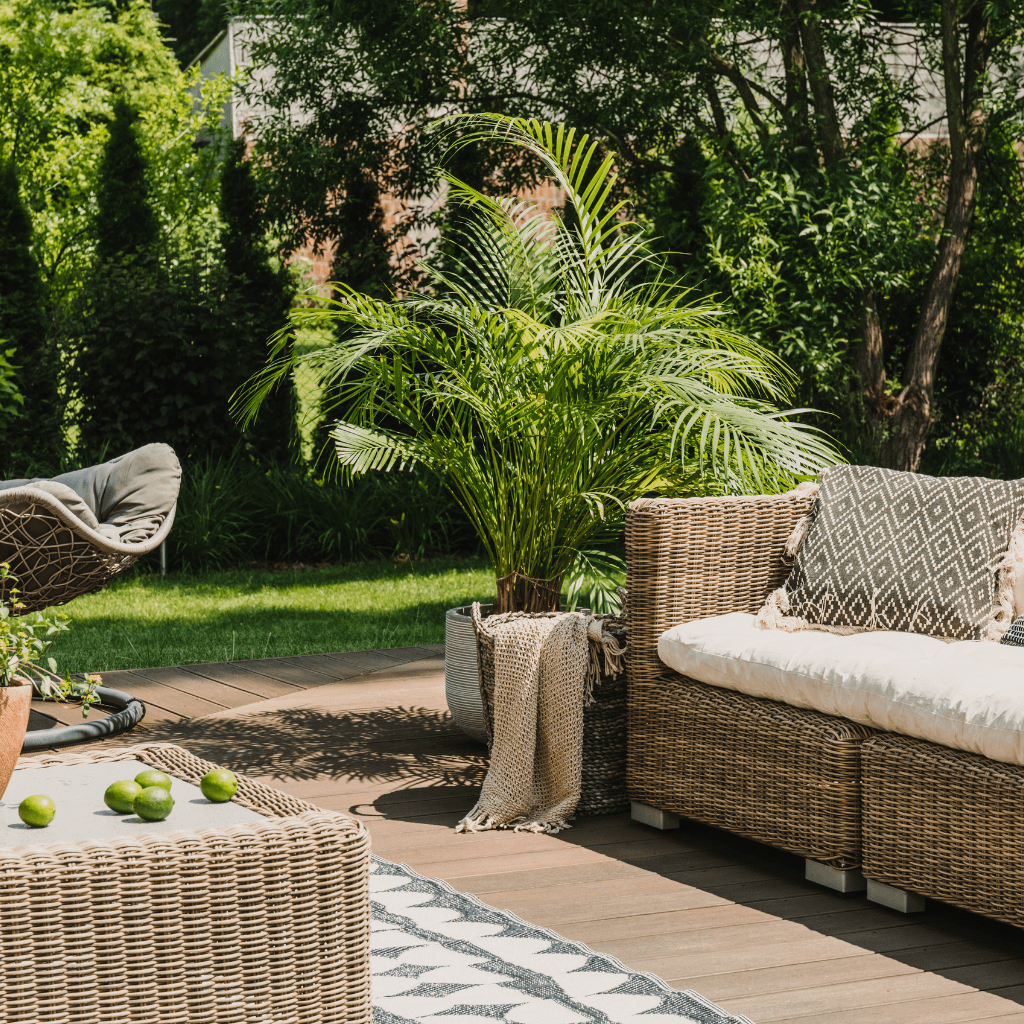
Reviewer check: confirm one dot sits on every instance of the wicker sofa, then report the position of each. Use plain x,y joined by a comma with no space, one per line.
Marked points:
901,817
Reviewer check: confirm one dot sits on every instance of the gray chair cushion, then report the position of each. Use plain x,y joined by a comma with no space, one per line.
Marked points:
126,498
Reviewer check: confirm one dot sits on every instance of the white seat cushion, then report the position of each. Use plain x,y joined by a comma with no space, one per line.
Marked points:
968,695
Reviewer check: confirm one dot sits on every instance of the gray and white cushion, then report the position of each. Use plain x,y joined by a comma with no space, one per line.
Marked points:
1014,636
887,550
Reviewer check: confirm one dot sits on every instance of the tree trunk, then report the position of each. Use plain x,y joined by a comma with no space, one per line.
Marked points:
795,70
912,414
519,593
820,82
870,361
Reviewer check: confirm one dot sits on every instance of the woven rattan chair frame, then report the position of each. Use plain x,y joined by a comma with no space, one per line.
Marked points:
54,555
266,921
945,823
784,776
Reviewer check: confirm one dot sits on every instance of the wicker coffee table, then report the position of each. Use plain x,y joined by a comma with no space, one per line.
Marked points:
253,911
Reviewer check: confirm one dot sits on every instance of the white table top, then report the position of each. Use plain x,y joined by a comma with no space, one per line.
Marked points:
77,790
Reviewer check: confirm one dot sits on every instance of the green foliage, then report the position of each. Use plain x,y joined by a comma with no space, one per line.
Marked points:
25,641
720,140
176,325
259,296
21,322
191,25
125,223
232,511
62,66
794,246
158,357
980,387
549,386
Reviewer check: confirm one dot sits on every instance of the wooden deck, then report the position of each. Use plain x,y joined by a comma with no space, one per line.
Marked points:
368,733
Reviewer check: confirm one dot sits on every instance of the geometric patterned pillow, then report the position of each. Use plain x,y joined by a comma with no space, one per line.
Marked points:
1015,634
902,551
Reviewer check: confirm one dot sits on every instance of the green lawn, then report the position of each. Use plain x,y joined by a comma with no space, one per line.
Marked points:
147,621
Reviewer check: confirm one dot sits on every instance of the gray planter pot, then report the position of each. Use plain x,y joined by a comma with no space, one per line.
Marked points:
462,672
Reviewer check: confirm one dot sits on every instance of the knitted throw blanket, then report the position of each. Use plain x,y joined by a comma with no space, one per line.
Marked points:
544,672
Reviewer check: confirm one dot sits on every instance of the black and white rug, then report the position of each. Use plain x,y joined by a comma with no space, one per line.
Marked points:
443,957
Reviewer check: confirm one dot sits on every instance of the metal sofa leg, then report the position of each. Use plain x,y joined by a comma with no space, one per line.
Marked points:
653,816
896,899
840,879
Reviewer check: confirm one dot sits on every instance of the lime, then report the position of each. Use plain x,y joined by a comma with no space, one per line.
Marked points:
219,785
120,796
153,804
37,811
151,777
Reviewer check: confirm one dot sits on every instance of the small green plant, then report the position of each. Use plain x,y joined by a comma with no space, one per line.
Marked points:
24,643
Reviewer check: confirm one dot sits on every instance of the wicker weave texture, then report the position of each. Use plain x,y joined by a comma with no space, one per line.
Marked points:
690,558
54,556
781,775
946,824
249,923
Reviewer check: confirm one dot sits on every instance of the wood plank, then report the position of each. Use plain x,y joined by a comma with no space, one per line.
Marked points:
754,957
1000,976
297,674
751,934
905,988
958,954
889,940
172,702
794,977
948,1009
673,930
235,674
600,905
222,694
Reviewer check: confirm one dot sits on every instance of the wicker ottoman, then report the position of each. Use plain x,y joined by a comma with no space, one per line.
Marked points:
261,921
945,823
777,774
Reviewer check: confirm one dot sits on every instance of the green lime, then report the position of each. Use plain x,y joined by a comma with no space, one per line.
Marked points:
151,777
37,811
153,804
120,796
219,785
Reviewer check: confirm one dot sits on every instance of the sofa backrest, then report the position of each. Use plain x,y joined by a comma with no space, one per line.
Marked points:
690,558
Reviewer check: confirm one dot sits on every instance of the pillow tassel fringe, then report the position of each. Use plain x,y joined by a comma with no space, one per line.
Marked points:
1007,570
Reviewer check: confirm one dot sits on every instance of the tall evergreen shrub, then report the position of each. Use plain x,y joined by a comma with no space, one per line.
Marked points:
160,351
362,260
31,435
259,297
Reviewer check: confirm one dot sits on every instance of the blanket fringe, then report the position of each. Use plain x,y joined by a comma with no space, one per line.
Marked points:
477,821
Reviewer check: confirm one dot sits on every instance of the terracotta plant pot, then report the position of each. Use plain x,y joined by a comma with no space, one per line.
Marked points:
15,704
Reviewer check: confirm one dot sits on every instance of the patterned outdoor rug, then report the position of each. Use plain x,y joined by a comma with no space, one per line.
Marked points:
443,957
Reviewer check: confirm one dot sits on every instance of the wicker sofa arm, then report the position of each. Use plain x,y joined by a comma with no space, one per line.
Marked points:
690,558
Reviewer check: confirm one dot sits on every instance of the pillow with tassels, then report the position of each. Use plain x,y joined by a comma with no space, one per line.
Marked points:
887,550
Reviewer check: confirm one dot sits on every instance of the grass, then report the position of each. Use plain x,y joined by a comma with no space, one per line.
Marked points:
148,621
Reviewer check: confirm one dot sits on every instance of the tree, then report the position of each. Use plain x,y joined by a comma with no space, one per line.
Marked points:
33,435
62,66
257,301
163,337
739,102
126,226
192,25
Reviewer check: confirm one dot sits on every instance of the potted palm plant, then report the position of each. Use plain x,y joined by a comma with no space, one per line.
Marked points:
24,645
551,375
